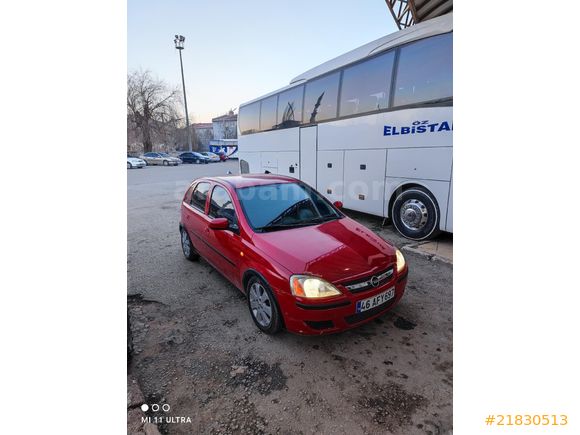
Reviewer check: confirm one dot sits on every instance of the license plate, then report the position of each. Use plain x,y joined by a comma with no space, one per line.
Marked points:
375,301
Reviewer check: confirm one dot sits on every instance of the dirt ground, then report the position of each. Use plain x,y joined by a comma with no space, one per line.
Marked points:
198,351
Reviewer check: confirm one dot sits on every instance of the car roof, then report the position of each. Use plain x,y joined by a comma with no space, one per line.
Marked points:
249,180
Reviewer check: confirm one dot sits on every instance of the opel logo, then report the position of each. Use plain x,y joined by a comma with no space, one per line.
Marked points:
375,281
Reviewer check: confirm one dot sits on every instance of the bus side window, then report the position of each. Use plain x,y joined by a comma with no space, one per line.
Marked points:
320,99
290,108
249,118
366,85
425,71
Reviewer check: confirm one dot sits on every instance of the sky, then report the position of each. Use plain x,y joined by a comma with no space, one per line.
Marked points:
237,50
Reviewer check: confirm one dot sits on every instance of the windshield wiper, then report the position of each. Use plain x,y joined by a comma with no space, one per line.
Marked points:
274,227
313,221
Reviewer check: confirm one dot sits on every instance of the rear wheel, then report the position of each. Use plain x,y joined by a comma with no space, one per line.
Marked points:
262,305
415,214
188,249
129,165
165,163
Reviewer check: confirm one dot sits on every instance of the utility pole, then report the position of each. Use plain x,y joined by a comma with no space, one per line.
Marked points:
179,40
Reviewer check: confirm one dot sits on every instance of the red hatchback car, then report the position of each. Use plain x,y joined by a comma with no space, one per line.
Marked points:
300,261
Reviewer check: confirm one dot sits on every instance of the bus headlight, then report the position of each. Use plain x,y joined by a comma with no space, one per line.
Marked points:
311,287
400,261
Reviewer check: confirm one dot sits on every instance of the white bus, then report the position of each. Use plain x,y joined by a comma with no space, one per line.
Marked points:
371,128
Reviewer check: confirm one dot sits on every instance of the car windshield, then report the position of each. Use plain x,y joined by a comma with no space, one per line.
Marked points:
274,207
164,154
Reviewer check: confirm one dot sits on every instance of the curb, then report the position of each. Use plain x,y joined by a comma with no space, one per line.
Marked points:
432,257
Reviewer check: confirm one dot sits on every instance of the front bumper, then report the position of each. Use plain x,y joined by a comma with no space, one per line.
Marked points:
309,318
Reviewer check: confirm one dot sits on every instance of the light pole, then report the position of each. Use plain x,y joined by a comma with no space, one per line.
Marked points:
179,40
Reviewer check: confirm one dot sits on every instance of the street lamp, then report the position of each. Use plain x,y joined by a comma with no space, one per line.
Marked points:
179,40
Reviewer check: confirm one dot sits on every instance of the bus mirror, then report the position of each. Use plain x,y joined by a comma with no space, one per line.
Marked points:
338,204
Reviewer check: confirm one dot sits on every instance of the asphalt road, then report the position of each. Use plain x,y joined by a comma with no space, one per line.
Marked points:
197,349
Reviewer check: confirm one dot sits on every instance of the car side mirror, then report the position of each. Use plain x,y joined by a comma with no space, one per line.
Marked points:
337,204
219,224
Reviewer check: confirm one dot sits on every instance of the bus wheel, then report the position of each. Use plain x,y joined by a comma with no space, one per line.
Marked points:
415,214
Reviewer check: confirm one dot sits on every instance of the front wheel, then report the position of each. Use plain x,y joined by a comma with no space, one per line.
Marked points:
415,214
263,307
129,165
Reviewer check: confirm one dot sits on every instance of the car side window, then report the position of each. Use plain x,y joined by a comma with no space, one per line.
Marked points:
199,196
221,206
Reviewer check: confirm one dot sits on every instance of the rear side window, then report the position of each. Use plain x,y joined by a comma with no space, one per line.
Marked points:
187,196
425,71
366,86
320,98
199,196
249,118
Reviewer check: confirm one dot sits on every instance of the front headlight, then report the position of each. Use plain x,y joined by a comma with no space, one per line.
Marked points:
311,287
400,261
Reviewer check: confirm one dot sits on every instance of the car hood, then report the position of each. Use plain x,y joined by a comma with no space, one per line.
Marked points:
134,160
337,250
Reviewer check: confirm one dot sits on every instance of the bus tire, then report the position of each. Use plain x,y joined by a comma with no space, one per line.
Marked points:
415,214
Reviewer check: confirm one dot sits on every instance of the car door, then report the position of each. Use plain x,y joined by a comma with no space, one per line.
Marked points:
150,158
226,244
194,217
147,158
157,159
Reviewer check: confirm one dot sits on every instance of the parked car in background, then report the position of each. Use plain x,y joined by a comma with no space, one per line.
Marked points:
223,156
160,159
135,162
169,156
300,261
211,156
193,157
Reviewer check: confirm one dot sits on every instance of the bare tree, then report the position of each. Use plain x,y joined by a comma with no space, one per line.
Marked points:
151,106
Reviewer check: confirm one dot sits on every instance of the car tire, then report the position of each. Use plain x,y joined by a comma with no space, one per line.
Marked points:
129,165
187,247
165,163
415,214
263,306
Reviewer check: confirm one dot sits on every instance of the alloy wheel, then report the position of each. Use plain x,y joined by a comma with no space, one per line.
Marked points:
260,304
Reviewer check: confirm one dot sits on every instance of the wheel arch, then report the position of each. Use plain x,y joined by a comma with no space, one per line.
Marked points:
248,274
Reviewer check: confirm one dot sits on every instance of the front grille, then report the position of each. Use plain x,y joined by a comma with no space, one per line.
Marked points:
359,317
370,282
